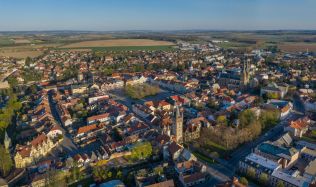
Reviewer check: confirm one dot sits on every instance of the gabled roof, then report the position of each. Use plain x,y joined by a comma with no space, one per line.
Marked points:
87,128
97,117
39,140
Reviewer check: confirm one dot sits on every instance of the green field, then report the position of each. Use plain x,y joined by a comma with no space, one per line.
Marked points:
4,41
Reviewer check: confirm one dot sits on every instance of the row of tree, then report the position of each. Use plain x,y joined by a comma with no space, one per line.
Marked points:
7,113
103,173
6,162
263,178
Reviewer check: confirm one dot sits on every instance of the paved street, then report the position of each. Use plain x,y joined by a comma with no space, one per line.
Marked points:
67,145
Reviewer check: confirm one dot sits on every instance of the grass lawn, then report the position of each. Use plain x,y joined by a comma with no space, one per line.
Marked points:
212,148
218,147
203,157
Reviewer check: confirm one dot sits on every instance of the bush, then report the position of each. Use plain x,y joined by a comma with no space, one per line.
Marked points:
251,173
243,181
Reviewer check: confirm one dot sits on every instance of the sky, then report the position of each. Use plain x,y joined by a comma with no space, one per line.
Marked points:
120,15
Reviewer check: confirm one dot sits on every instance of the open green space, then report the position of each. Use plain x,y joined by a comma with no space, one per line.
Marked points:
203,157
140,91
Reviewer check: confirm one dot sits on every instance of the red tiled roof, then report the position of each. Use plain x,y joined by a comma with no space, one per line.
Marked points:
168,183
300,123
97,117
25,151
86,128
39,140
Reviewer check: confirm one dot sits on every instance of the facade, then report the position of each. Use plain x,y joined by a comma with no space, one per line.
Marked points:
29,154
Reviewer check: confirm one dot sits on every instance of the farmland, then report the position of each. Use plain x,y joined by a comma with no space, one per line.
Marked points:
21,54
297,47
118,42
23,51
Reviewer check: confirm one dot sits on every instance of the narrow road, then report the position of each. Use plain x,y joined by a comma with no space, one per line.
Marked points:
67,145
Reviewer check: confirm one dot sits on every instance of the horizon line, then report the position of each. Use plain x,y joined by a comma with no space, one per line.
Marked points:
156,30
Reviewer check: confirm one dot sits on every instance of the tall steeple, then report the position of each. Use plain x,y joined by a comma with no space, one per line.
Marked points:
7,141
177,127
245,73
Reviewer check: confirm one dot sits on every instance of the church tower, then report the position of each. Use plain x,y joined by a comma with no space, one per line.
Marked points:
177,127
7,141
245,73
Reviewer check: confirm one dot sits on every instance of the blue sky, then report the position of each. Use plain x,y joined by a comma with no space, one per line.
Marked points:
109,15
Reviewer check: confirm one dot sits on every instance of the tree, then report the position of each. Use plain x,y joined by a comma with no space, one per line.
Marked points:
251,173
280,184
119,175
264,179
269,118
244,181
273,95
158,170
246,118
142,151
100,173
75,173
221,120
13,81
54,178
5,161
28,61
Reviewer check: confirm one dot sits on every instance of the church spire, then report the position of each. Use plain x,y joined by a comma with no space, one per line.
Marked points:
7,141
177,127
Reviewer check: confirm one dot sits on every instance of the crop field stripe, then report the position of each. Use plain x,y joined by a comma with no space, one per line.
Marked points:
126,48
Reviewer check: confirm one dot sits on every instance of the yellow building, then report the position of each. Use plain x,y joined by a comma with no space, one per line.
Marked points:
30,153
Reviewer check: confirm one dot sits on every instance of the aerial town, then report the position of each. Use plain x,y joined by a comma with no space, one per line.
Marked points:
199,115
181,93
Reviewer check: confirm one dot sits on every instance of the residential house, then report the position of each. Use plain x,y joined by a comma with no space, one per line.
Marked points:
298,127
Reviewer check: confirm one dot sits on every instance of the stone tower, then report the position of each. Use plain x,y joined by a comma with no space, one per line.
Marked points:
245,73
177,127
